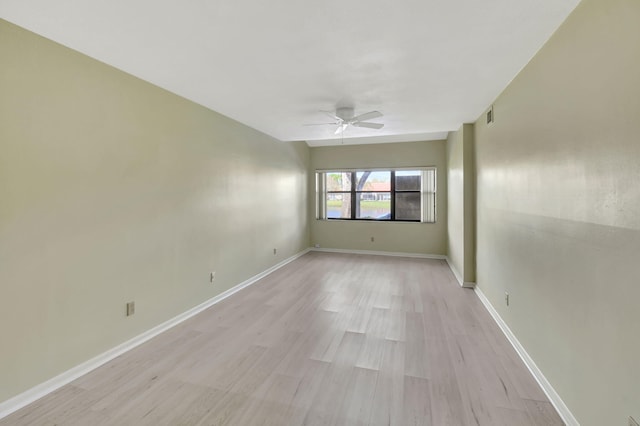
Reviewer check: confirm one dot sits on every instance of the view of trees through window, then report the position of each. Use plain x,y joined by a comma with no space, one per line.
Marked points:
374,195
339,195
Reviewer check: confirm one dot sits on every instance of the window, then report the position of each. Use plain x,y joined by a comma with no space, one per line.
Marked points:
406,195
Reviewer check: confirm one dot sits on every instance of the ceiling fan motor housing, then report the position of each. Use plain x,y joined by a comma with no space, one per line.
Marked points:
345,113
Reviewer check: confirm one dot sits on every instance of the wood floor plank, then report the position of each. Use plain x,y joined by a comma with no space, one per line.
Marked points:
271,404
416,361
446,399
372,353
510,416
309,387
197,408
329,339
542,413
335,385
358,402
388,398
417,402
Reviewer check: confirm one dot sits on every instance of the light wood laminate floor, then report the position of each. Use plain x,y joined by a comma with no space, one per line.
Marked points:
329,339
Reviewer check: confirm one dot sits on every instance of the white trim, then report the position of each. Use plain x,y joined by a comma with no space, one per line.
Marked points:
377,169
399,222
553,396
381,253
25,398
465,284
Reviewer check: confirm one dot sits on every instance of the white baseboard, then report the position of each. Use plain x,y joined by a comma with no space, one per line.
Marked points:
462,282
380,253
11,405
553,396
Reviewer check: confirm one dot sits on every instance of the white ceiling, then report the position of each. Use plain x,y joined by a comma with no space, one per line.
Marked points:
427,65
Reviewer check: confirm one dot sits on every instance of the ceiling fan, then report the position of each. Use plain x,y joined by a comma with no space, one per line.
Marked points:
345,117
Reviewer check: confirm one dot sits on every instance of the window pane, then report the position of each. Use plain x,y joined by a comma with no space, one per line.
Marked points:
408,206
373,205
339,206
373,181
339,181
408,180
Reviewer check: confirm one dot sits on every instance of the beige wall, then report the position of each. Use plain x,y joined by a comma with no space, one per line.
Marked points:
113,190
461,204
559,210
422,238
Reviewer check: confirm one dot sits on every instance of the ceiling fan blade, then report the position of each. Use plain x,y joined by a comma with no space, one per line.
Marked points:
341,128
321,124
367,116
331,114
368,125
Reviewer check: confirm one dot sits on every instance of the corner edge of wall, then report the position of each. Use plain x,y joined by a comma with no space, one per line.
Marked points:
463,283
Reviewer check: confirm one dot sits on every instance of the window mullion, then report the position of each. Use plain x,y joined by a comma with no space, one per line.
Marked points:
393,195
353,195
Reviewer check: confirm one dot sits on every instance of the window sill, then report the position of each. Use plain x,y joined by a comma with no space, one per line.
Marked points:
375,221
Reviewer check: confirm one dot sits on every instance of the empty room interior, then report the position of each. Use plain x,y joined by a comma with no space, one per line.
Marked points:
348,213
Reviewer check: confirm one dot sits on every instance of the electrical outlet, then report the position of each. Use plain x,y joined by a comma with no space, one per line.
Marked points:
372,239
317,246
275,251
632,422
212,276
131,308
506,298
